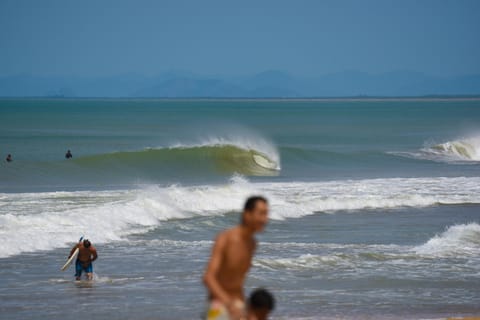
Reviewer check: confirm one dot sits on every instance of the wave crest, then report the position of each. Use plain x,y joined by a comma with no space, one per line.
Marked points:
457,240
220,155
465,150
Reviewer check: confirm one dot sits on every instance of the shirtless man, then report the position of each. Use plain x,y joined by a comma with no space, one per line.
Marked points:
231,259
86,255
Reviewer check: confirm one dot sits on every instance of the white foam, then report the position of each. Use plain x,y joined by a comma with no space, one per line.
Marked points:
41,221
457,240
335,256
305,261
462,150
292,200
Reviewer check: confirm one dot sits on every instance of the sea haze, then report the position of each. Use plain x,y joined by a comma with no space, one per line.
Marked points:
270,83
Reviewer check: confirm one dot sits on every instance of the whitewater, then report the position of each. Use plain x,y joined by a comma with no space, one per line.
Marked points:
112,215
461,151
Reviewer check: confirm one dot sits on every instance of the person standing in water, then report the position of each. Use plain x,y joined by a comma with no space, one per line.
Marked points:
9,158
230,261
68,155
86,255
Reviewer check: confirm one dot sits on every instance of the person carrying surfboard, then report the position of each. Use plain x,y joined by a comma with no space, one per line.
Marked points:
230,261
86,255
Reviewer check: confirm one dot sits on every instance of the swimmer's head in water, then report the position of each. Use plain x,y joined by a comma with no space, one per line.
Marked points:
261,302
86,243
255,213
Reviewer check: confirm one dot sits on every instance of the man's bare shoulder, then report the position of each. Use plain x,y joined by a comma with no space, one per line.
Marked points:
226,234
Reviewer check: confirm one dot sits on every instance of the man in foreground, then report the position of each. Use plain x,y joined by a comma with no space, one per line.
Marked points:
86,255
231,259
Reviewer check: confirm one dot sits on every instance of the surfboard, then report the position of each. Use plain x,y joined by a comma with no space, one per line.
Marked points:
73,257
69,261
264,162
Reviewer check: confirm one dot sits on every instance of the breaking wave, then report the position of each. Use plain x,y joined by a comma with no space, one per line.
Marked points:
463,150
53,219
230,156
458,239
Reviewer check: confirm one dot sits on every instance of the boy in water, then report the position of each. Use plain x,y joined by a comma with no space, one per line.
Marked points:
86,255
260,304
231,259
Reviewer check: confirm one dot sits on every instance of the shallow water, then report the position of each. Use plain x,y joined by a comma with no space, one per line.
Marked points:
348,264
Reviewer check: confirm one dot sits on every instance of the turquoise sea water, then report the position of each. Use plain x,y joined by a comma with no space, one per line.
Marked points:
374,204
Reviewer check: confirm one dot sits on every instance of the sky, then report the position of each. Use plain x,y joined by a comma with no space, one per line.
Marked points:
306,38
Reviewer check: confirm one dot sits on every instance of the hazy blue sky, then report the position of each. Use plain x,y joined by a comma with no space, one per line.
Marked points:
93,38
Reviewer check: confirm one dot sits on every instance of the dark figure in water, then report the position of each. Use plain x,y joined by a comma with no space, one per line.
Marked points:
68,155
9,158
260,303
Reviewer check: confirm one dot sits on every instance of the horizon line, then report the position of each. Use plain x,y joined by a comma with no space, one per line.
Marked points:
436,97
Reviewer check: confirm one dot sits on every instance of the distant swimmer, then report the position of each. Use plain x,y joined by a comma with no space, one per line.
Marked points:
9,158
231,259
68,155
86,255
260,304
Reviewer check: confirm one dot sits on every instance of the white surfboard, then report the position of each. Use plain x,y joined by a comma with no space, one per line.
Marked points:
70,260
73,257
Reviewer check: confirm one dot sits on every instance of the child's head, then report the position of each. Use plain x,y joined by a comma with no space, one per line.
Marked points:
260,304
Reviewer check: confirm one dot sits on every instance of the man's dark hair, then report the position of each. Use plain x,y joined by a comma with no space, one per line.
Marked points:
252,201
86,243
261,299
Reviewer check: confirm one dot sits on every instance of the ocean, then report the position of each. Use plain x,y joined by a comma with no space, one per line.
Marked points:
375,204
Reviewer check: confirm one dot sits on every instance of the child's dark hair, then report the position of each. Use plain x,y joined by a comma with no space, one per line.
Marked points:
261,299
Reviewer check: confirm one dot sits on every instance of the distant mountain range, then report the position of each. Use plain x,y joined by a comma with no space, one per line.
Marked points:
267,84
